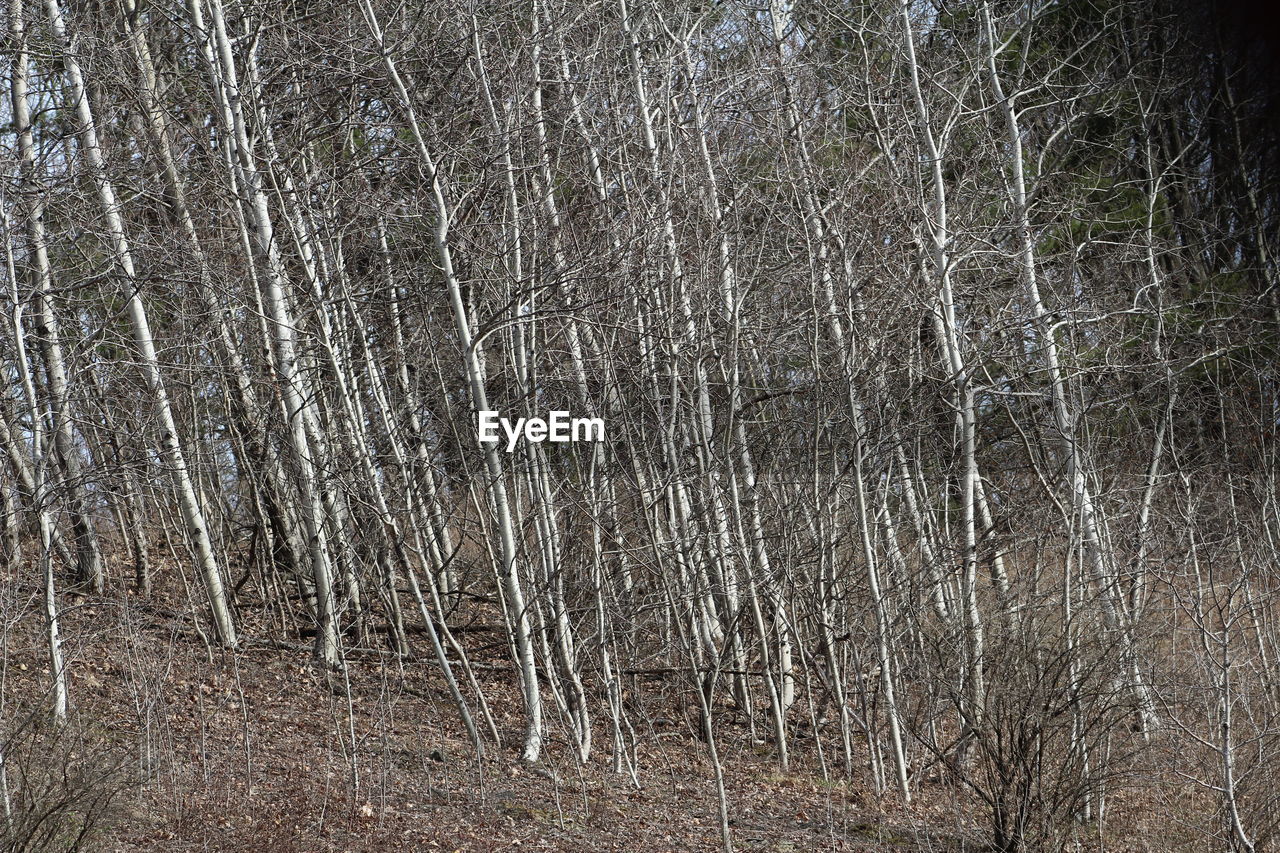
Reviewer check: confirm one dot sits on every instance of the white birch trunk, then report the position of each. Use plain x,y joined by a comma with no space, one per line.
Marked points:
496,489
292,384
1096,549
171,446
88,556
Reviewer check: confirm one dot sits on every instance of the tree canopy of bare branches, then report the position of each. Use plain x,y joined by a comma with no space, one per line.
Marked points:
934,347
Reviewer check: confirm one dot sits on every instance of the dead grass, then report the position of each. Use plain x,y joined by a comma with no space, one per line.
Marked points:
257,751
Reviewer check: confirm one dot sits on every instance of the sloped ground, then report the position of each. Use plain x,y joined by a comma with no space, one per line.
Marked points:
257,751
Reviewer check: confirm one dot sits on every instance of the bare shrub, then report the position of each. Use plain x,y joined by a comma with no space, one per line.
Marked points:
65,782
1056,730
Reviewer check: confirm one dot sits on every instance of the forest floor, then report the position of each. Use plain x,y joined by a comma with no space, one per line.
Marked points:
183,747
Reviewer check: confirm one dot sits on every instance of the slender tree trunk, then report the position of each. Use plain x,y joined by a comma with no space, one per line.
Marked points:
495,487
1096,549
171,446
293,386
47,328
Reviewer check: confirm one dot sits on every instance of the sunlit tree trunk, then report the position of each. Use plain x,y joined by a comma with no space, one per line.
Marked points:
496,488
46,325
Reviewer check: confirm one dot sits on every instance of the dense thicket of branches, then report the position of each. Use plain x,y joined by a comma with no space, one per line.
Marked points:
936,348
